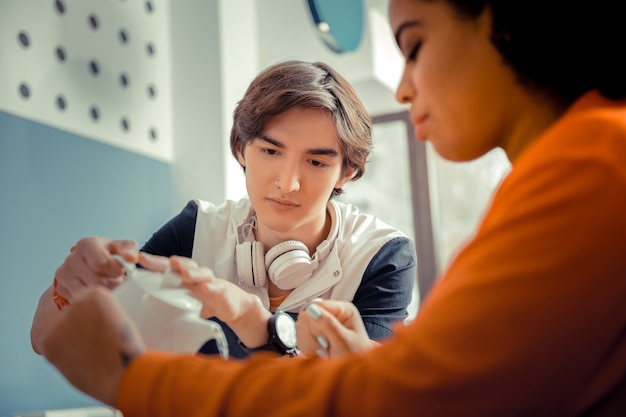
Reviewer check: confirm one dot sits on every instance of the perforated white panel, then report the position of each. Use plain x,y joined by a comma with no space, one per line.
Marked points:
97,68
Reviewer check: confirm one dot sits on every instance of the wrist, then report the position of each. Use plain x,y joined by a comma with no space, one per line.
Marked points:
281,332
60,301
251,327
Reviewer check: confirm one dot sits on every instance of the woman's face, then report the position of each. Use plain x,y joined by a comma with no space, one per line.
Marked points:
463,98
291,170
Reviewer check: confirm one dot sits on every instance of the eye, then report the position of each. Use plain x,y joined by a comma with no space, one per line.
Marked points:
413,53
318,164
268,151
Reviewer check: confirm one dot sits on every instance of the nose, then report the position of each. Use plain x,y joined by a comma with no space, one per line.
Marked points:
288,180
405,91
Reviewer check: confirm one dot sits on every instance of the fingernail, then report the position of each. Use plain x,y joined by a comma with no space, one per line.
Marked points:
309,302
322,341
314,311
322,353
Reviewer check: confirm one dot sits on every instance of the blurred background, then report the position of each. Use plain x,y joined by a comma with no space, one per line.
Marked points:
115,113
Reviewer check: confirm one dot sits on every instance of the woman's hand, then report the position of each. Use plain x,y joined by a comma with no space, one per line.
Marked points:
329,328
91,262
92,343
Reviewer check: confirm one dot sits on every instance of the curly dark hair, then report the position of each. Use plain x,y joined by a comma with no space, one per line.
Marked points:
305,84
561,47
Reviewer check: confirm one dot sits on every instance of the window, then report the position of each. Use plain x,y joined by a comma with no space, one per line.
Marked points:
437,203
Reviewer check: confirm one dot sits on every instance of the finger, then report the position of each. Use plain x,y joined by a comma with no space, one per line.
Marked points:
67,281
127,249
154,262
306,340
76,274
312,340
344,311
111,283
181,264
331,335
92,260
335,340
190,271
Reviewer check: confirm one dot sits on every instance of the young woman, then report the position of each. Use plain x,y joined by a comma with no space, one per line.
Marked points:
529,318
300,133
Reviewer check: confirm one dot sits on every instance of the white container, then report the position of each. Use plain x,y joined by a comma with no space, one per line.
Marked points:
166,314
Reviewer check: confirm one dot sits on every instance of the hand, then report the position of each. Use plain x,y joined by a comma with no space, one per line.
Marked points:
92,343
154,262
91,263
330,328
240,310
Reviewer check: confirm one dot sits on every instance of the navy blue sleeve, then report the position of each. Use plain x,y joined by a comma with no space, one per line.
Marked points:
387,287
176,236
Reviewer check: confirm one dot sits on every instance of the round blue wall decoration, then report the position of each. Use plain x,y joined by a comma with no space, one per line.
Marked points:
339,23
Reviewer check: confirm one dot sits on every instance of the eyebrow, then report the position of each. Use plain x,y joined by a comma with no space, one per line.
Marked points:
404,26
312,151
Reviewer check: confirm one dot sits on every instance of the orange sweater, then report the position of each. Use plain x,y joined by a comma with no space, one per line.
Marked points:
529,319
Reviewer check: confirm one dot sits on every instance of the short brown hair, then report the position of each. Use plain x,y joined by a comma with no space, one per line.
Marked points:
311,85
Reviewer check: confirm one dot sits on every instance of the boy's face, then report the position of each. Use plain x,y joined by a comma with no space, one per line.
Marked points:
291,170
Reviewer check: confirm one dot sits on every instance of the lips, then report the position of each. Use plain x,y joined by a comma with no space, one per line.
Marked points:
420,124
281,204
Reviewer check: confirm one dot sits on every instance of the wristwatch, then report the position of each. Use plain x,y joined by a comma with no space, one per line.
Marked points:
281,328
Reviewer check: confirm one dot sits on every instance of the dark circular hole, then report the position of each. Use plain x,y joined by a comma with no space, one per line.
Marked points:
95,113
124,80
60,53
151,91
93,21
24,90
149,7
150,49
23,38
60,6
125,124
61,103
94,67
153,134
123,36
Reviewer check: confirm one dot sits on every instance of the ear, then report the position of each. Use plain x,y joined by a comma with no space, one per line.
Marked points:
345,178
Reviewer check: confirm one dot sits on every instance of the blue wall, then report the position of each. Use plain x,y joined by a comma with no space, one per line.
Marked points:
56,187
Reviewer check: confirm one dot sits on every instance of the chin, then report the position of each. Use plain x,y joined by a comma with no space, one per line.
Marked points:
455,155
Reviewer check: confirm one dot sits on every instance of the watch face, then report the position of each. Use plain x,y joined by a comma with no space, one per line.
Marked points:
286,330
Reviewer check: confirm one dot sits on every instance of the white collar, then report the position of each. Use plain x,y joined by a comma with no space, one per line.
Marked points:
245,231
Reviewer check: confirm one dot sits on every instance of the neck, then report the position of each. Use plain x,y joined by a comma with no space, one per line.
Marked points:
540,111
310,239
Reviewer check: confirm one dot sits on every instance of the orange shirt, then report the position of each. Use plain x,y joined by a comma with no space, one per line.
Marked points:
529,319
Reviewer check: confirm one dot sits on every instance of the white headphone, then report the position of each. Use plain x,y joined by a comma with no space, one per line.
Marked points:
288,264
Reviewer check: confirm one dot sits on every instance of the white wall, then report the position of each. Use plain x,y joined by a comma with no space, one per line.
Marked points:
206,52
248,36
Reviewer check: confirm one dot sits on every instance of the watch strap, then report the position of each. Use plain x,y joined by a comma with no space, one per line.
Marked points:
274,343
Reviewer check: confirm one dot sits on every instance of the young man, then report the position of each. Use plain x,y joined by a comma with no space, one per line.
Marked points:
300,133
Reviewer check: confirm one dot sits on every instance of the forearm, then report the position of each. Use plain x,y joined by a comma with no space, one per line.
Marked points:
157,382
44,315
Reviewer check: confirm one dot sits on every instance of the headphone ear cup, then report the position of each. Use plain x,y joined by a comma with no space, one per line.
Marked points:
251,264
289,264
